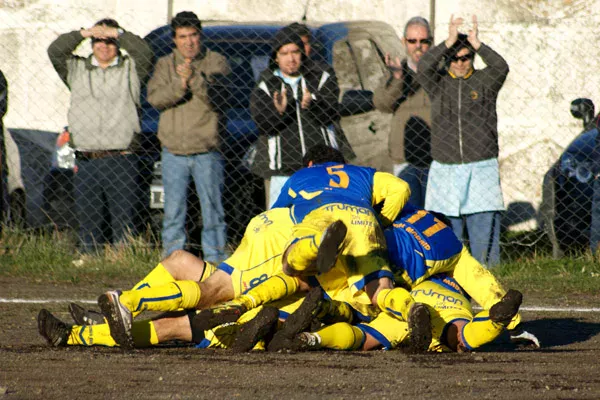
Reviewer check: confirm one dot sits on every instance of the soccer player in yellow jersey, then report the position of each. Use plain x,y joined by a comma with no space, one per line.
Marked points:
257,258
454,325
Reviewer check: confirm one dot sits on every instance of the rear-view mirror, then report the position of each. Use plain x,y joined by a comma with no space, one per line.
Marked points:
584,109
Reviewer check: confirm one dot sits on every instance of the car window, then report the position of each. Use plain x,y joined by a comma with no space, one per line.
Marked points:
372,68
246,60
345,67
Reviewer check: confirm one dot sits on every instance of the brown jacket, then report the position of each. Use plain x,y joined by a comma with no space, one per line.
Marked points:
409,131
189,123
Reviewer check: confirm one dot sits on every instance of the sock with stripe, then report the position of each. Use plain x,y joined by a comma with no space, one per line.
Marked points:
173,296
341,336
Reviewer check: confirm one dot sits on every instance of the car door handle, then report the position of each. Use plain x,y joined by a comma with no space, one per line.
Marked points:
373,127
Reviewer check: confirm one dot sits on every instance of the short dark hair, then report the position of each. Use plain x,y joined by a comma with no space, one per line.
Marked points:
111,23
321,153
186,19
300,29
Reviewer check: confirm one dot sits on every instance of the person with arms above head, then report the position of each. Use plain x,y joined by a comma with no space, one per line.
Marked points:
410,132
464,177
293,104
104,126
189,130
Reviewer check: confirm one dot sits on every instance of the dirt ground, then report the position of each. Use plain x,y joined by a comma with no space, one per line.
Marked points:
566,367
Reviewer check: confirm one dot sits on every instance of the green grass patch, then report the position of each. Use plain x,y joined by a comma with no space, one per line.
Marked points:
527,262
52,256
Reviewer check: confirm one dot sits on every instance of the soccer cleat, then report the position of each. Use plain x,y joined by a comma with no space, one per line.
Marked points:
119,318
53,329
81,316
330,247
419,328
304,341
259,327
299,321
218,315
504,311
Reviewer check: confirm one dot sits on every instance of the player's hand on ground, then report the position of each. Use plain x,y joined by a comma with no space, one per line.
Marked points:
521,336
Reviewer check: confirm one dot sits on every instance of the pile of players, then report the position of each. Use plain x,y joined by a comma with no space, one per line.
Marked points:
342,261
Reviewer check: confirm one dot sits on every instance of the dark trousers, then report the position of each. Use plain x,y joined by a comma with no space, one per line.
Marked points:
106,199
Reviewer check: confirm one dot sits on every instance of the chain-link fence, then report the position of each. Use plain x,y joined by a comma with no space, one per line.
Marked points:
191,146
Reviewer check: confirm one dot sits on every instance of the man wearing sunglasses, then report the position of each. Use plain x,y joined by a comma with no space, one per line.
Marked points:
402,95
464,178
104,127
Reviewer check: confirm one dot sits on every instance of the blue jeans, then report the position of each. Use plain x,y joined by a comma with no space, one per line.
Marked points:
416,178
106,200
207,171
484,235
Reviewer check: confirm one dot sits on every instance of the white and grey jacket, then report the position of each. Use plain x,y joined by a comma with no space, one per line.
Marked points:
103,114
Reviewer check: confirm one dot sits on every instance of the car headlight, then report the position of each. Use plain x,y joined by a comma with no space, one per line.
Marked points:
570,167
568,164
583,173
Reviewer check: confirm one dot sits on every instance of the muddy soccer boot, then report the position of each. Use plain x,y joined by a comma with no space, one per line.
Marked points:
304,341
52,329
82,317
260,327
221,314
299,321
419,328
119,318
504,311
331,246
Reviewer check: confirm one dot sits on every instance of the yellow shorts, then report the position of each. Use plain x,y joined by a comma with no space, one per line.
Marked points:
446,305
209,269
259,254
388,330
364,256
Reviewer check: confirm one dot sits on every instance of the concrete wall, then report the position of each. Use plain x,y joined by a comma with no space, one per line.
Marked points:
549,45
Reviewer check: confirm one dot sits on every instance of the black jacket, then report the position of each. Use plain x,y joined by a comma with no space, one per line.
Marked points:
463,111
285,138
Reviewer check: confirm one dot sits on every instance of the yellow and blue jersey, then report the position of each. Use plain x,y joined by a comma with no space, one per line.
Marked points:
327,183
421,245
259,254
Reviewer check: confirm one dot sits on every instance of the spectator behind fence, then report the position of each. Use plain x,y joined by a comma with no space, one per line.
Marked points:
464,178
305,35
189,132
294,105
104,126
410,132
4,200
